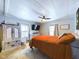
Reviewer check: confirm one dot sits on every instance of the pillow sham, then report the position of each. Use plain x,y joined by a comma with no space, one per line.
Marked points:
66,38
62,35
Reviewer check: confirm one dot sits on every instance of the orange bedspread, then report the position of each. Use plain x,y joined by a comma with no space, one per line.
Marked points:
51,46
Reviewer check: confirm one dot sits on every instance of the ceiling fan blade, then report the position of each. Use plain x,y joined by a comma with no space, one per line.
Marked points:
43,17
40,17
48,18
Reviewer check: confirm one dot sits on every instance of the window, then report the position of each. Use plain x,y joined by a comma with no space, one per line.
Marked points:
51,30
77,21
24,31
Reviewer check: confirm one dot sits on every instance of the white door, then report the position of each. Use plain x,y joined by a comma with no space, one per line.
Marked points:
51,30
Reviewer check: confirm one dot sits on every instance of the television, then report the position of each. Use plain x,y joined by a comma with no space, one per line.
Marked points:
35,27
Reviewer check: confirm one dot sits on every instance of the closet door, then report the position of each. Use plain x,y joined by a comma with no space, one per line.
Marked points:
7,36
11,32
11,36
16,32
7,33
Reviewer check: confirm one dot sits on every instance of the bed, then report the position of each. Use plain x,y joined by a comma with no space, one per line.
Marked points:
55,47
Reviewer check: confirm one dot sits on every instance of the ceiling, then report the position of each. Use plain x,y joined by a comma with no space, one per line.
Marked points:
32,9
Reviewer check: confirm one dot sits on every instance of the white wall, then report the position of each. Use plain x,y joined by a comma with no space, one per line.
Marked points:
10,19
69,19
1,18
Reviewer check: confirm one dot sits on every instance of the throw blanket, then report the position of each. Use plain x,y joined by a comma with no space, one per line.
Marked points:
56,47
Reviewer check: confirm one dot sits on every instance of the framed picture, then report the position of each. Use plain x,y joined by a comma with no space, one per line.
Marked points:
65,26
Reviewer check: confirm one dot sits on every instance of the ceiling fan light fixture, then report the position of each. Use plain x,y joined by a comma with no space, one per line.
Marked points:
43,20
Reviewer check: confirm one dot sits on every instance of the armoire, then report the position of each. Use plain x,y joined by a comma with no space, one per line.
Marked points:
9,36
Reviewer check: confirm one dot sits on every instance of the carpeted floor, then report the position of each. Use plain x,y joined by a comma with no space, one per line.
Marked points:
23,53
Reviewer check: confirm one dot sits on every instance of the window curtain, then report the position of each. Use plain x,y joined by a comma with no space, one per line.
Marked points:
56,32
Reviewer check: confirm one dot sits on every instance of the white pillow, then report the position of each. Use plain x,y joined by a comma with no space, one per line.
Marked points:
76,35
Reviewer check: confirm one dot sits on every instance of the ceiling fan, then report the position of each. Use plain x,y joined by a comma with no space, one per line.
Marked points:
44,17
